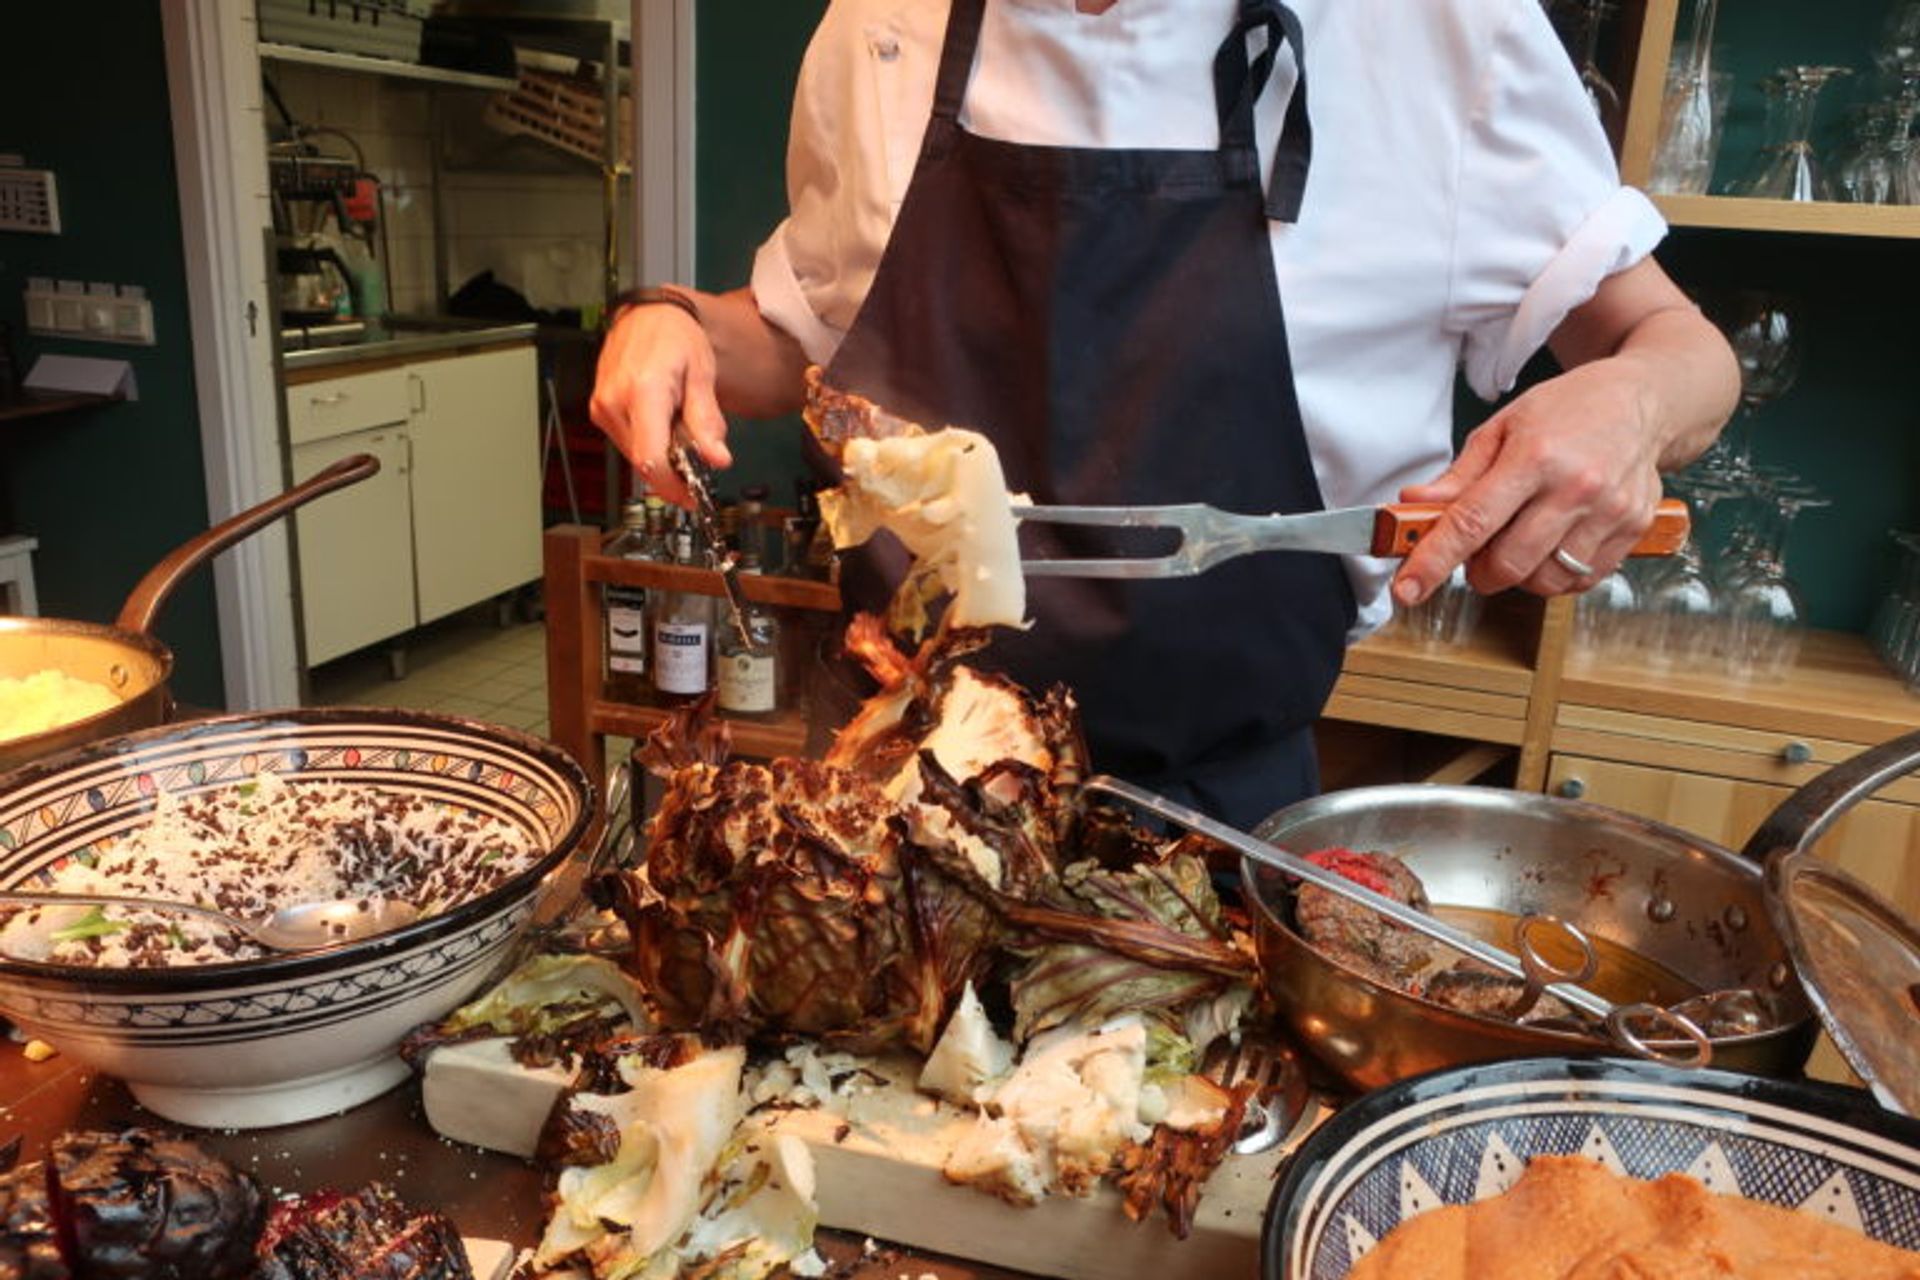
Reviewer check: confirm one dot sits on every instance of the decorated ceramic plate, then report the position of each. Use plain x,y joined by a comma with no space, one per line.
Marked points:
1465,1134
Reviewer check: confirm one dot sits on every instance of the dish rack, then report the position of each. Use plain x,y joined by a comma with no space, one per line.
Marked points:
568,112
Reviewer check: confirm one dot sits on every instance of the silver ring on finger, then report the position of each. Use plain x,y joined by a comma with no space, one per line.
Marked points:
1571,563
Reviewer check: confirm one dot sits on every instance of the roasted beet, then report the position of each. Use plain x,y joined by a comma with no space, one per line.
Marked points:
29,1240
369,1235
151,1206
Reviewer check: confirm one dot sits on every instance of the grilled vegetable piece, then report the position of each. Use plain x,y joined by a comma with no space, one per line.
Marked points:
29,1240
153,1206
369,1235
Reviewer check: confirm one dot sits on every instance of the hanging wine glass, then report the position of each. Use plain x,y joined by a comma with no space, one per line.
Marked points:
1692,107
1766,619
1600,91
1896,50
1677,612
1606,615
1764,331
1865,173
1793,171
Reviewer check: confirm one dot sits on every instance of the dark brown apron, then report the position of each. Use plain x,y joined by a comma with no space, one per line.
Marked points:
1111,320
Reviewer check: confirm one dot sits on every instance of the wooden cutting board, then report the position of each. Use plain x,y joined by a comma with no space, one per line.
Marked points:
877,1163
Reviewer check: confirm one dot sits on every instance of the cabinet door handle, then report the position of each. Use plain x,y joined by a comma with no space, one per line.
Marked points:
417,392
328,400
1572,788
1796,753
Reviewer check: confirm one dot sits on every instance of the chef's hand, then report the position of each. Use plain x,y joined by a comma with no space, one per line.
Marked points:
1567,465
656,369
1573,465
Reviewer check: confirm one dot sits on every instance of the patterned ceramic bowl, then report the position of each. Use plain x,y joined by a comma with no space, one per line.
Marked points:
1464,1134
260,1042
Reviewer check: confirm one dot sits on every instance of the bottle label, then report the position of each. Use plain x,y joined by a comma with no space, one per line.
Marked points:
746,682
680,657
627,630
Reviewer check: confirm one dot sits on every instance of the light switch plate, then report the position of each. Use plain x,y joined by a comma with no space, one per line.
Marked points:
29,201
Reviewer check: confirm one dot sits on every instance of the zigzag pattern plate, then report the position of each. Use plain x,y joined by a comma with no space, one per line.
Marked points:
1462,1135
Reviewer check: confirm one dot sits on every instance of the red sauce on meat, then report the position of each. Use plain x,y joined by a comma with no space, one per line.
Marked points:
1361,868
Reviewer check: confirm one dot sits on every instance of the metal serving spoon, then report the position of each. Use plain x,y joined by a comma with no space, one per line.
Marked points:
304,926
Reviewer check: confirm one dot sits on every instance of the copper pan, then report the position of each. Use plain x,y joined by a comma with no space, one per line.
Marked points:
1697,911
125,657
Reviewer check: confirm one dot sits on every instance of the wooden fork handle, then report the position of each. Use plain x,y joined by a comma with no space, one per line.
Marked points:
1398,526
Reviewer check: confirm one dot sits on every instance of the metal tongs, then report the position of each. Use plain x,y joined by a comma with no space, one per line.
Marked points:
1538,972
1209,535
696,476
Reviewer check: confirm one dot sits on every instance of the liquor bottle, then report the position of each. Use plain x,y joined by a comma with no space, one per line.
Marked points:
682,631
748,676
753,529
625,678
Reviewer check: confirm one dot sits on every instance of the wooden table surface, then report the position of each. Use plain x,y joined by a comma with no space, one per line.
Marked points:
488,1195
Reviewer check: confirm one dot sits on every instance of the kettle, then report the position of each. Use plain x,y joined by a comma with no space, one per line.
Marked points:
316,288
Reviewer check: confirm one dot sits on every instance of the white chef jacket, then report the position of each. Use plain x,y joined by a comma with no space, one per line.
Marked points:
1462,197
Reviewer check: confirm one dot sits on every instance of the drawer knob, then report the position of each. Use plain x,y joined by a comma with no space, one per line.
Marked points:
1796,753
1573,788
330,398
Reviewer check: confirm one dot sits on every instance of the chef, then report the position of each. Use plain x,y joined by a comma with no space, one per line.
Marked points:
1123,239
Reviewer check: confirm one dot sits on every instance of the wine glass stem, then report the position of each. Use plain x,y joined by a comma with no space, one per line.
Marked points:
1705,13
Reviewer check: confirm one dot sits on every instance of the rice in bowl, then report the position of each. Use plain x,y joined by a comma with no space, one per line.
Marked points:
251,848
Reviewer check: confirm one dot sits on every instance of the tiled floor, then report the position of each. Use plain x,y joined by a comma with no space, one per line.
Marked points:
468,664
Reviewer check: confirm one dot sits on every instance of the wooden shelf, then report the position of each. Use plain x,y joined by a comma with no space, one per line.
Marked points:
1839,689
579,718
1732,213
780,735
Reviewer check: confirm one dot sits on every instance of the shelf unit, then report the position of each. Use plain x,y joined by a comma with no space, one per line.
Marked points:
1654,49
391,67
579,716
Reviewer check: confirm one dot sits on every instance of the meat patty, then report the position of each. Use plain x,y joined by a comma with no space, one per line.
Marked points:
1355,935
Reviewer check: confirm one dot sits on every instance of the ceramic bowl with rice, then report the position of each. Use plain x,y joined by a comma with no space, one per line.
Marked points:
467,821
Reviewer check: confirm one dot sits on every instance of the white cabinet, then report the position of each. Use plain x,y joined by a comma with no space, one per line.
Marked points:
356,574
453,516
476,477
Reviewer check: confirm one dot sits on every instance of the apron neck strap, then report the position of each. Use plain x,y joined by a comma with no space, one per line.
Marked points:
956,57
1237,84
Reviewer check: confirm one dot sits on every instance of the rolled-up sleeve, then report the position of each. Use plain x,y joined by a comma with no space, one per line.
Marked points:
859,107
1541,216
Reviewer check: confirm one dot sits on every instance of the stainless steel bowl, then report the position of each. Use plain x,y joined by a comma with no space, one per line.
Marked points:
1695,910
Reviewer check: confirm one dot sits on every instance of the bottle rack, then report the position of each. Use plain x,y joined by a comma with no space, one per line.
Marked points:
579,715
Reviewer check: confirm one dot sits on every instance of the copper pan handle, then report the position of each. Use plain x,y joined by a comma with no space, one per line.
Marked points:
152,590
1808,813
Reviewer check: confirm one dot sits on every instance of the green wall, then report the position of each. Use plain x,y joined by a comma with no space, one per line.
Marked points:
108,492
746,59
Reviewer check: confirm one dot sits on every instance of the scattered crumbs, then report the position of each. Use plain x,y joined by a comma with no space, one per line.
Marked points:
38,1051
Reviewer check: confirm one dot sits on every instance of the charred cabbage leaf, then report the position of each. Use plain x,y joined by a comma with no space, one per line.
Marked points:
1168,905
556,1004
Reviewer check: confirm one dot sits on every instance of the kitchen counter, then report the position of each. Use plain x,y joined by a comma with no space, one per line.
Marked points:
408,338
